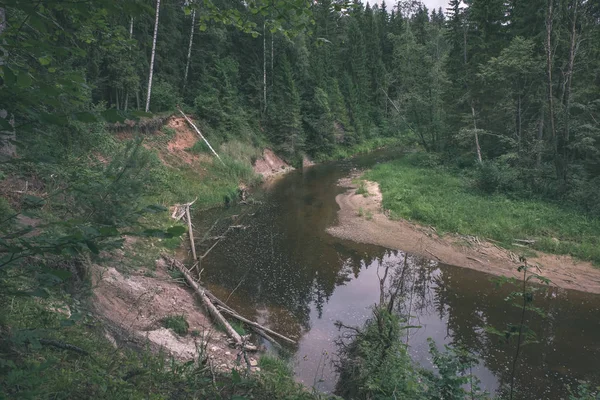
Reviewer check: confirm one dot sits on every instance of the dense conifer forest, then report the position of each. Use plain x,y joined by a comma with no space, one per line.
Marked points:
506,84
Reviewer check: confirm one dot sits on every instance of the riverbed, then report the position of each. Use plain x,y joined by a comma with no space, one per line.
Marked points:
280,267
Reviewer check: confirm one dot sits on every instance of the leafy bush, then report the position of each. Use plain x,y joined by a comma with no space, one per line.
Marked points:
376,365
177,323
448,202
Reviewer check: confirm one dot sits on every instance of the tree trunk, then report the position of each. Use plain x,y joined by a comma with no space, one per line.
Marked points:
8,149
272,58
476,134
563,143
550,91
152,57
130,37
519,124
189,54
264,68
540,139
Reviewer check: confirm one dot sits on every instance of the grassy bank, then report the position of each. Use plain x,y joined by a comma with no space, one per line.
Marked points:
64,206
437,197
75,360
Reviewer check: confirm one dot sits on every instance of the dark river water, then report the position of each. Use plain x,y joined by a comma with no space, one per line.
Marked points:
284,270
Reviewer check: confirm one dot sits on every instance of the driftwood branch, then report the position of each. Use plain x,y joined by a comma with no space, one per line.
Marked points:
269,338
256,325
525,241
475,259
190,231
62,345
212,310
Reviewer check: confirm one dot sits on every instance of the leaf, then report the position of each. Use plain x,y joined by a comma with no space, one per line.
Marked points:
54,119
154,209
85,116
5,125
40,292
141,114
45,60
92,246
108,231
62,274
33,201
9,76
112,115
24,79
176,231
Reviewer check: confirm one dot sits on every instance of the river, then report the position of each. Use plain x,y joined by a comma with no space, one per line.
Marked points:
282,269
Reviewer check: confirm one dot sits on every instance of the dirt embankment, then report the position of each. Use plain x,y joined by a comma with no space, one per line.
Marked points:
134,303
270,165
362,219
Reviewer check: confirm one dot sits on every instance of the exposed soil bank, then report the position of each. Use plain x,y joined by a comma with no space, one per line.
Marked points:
362,219
134,304
270,165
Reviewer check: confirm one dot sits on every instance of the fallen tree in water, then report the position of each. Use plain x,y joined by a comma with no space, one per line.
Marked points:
215,308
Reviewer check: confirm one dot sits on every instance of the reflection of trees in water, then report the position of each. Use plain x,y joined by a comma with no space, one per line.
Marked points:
287,274
468,302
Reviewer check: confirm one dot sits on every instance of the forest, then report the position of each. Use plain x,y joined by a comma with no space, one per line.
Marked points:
511,86
503,92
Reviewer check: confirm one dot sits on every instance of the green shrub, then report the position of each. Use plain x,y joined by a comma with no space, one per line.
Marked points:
449,202
362,189
177,323
165,97
167,130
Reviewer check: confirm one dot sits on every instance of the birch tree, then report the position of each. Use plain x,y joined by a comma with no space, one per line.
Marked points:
7,135
130,38
189,53
152,57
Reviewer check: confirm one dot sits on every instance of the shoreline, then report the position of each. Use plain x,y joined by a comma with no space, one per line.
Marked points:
361,219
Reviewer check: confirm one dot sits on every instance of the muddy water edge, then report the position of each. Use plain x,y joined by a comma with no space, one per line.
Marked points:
281,268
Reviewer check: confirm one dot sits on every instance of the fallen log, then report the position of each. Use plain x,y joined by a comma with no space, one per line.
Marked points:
525,241
475,259
262,333
212,310
257,325
189,121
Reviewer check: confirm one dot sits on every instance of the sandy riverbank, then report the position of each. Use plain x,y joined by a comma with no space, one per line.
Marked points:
362,219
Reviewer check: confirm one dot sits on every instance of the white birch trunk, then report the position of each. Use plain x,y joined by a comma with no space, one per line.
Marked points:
264,67
272,58
130,37
476,135
152,57
189,54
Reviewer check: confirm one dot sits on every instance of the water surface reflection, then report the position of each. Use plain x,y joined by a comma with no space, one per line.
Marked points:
284,270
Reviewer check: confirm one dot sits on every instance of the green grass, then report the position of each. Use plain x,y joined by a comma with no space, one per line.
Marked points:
448,202
362,188
30,370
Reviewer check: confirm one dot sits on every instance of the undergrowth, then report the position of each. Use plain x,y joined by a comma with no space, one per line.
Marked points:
366,146
437,197
46,354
